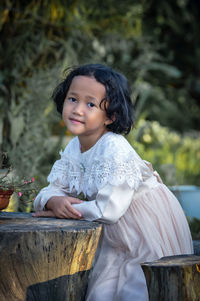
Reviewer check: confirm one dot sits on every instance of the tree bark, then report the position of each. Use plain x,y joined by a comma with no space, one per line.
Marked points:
173,278
45,259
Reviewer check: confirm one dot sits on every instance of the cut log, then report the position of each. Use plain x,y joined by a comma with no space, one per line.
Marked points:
174,278
45,259
196,245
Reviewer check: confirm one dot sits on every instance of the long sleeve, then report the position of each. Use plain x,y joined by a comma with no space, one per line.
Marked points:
58,181
45,194
111,203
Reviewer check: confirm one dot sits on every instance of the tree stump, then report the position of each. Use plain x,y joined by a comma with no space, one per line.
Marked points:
196,245
45,259
173,278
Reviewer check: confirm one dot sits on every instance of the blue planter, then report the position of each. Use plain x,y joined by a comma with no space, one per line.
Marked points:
189,198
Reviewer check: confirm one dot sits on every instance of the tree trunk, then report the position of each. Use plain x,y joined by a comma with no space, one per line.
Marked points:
173,278
45,259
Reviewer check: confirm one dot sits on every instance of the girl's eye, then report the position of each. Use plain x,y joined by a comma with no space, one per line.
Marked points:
71,99
91,104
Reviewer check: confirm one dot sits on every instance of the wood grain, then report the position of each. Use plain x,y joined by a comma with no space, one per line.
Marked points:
174,278
43,252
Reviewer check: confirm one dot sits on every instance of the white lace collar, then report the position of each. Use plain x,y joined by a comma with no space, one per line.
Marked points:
111,160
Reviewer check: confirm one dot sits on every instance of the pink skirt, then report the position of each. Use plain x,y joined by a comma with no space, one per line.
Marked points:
154,226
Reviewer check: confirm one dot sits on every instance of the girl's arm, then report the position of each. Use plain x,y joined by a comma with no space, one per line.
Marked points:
111,203
45,194
53,201
61,207
153,171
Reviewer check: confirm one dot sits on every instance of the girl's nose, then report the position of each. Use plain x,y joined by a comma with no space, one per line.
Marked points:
78,109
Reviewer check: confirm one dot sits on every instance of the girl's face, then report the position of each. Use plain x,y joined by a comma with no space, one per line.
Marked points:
81,110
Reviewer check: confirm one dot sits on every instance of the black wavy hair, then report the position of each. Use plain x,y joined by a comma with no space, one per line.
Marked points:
119,108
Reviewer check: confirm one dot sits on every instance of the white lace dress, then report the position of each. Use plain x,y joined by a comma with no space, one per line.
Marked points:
142,219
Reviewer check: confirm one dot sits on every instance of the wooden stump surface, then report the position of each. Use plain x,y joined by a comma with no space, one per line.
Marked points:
45,259
173,278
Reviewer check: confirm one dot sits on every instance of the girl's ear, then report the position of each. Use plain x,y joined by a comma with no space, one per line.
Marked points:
109,121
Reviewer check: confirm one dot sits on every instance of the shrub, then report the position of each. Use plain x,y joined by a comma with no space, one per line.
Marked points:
176,157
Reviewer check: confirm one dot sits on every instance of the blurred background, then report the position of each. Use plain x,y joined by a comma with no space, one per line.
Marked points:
156,44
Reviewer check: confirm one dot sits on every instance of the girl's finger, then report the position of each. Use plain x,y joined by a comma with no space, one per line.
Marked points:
69,214
47,213
74,200
158,177
66,214
148,164
74,212
77,201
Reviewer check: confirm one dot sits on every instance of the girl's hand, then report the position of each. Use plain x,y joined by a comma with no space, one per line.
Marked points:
42,213
61,207
153,171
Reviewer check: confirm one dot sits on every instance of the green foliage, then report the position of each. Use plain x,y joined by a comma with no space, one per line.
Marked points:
159,55
195,228
27,121
41,39
174,27
23,190
176,157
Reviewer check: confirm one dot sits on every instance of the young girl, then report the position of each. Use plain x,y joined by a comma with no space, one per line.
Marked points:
142,219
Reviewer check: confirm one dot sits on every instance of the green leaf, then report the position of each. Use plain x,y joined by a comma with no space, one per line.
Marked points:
166,68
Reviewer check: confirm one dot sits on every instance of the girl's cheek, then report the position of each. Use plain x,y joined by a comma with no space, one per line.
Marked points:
65,107
64,112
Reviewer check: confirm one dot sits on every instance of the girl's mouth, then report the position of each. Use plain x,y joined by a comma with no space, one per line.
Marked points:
76,121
